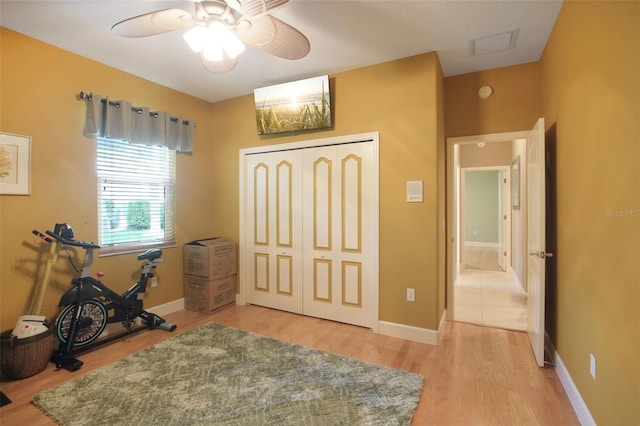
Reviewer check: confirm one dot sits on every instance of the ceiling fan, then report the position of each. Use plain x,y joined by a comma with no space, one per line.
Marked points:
218,29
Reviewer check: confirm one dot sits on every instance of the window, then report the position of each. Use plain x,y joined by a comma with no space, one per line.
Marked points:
136,202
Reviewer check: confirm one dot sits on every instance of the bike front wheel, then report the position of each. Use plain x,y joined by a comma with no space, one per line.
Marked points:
89,325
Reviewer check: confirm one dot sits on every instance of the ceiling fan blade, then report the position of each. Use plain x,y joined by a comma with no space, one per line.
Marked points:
273,36
220,67
153,23
253,8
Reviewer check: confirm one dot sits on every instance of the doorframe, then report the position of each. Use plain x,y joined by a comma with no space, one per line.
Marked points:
374,137
453,202
506,201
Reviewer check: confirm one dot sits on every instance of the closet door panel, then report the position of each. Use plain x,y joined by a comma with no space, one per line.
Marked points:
310,231
337,230
352,284
322,288
321,207
274,228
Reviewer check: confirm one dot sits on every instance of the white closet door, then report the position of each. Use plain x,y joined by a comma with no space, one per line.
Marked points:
273,220
339,198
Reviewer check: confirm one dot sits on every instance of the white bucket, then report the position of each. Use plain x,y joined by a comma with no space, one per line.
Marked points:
29,325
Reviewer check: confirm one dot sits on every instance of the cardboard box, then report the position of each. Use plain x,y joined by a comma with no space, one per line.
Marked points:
207,296
211,258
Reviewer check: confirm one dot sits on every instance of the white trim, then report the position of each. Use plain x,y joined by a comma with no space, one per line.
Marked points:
578,404
490,137
375,239
443,323
416,334
454,233
517,283
168,308
312,143
480,244
408,332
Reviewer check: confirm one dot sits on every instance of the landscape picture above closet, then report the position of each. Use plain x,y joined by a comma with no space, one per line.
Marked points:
290,107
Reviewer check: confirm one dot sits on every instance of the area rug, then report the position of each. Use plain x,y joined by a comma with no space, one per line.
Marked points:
218,375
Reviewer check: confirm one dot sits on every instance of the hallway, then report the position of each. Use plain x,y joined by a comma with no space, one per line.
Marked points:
490,298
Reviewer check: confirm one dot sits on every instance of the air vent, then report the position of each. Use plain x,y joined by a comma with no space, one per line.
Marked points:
493,43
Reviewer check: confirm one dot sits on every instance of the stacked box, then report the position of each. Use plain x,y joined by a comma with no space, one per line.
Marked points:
212,258
208,296
209,274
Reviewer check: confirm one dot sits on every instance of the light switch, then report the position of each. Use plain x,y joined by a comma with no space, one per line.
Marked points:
414,191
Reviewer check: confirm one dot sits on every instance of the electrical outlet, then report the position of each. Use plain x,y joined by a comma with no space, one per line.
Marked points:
592,366
411,295
154,281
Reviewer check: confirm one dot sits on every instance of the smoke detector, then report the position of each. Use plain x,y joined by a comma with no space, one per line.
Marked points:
485,92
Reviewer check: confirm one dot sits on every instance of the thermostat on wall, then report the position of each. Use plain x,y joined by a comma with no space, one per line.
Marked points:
414,191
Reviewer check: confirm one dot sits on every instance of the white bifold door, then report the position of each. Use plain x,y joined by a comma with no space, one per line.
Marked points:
311,224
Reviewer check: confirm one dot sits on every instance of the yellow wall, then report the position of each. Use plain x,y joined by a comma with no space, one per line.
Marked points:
401,99
38,99
587,84
591,87
514,106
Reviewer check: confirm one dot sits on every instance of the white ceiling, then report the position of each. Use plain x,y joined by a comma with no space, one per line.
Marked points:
344,34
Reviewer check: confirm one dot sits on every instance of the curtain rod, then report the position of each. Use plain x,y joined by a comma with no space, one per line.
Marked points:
85,96
88,96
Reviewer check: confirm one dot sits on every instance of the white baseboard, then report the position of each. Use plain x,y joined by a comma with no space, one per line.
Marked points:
518,284
168,308
481,244
578,404
416,334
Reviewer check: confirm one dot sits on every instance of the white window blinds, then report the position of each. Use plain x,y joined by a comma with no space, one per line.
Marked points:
136,194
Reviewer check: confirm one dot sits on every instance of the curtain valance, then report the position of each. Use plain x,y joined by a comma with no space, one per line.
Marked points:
138,125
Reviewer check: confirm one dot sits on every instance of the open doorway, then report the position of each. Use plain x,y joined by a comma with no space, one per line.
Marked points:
485,218
486,228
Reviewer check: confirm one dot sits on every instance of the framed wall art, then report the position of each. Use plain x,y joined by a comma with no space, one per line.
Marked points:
295,106
15,164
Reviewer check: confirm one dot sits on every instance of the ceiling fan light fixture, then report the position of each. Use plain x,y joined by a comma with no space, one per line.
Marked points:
196,38
213,40
219,29
233,46
225,39
213,52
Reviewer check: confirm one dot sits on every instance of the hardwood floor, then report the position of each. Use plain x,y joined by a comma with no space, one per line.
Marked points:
476,376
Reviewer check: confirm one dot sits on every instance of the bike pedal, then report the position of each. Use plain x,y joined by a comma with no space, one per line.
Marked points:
73,364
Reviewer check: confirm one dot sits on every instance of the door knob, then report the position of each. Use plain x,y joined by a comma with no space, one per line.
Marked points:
541,254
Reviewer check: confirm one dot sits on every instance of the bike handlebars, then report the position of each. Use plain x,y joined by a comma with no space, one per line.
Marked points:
77,243
42,236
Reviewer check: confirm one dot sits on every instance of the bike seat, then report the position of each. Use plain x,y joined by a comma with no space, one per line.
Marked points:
151,254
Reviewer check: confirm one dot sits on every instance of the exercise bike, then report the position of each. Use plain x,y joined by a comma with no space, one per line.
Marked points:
90,305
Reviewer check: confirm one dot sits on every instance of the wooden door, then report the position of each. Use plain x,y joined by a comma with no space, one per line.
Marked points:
309,228
274,229
340,223
536,239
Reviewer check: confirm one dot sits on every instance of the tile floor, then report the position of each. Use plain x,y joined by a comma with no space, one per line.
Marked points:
490,298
